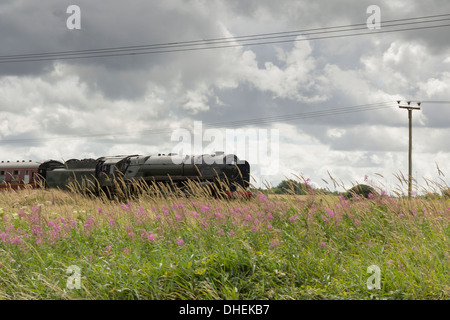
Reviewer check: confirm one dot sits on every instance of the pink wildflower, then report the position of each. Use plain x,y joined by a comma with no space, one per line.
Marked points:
275,243
180,242
108,250
37,231
330,213
165,210
232,233
261,197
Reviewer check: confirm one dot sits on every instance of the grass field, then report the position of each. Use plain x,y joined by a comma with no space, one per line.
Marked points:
61,245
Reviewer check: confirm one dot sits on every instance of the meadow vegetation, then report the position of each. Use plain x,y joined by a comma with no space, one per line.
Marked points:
200,247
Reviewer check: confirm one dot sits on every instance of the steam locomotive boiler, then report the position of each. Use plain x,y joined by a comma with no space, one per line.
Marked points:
207,170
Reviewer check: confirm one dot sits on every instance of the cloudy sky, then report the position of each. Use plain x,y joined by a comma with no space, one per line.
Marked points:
111,102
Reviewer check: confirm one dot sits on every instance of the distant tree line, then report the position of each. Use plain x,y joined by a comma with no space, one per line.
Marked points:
296,187
361,190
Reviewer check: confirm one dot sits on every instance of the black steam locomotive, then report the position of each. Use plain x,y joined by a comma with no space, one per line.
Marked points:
218,172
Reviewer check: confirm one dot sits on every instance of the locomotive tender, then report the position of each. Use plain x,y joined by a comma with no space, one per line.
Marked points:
217,169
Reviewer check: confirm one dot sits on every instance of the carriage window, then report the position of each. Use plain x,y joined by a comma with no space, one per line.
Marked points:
26,176
15,179
2,177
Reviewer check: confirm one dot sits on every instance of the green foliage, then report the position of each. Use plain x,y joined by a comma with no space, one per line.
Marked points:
203,248
291,187
361,190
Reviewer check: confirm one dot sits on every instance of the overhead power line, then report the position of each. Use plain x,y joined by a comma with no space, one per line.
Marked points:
431,101
304,115
234,123
225,124
388,26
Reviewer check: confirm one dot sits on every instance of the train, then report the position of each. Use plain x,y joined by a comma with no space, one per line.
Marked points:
218,172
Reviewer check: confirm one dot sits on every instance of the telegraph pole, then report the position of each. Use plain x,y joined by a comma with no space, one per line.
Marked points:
410,109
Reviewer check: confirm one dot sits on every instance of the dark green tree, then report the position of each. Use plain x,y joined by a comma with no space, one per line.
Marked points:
361,190
292,187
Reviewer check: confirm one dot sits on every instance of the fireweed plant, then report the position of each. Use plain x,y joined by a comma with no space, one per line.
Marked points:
199,247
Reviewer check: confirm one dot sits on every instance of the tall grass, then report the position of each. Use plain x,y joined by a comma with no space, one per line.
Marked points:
162,245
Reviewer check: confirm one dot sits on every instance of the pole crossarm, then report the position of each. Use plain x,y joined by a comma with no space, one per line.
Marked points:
409,108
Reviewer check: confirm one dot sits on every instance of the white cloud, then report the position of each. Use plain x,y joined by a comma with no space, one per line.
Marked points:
434,87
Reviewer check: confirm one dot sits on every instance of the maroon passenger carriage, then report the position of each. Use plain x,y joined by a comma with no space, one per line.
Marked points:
19,174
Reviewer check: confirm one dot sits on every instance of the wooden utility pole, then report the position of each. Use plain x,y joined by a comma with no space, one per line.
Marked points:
410,109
